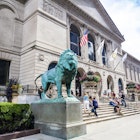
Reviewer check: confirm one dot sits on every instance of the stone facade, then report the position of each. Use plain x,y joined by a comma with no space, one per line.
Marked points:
35,33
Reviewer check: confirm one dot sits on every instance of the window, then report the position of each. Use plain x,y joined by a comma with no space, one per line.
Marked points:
91,48
4,72
120,85
125,67
134,73
138,74
74,40
130,71
104,56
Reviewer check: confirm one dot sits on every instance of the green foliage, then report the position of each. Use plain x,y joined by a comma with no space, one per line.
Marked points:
15,117
131,85
90,76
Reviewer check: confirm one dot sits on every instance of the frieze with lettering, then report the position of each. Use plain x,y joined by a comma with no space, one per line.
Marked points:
52,10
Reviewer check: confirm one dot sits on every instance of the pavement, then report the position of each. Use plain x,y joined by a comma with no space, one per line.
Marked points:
125,128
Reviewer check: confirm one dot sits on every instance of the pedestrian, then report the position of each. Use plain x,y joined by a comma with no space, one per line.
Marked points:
113,95
40,90
133,97
95,106
86,102
90,102
123,99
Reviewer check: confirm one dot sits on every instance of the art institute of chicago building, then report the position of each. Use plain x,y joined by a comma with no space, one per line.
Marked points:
34,33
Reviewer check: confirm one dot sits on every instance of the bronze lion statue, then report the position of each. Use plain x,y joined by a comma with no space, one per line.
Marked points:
63,73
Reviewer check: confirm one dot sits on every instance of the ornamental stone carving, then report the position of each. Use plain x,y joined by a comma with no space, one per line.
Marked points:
52,10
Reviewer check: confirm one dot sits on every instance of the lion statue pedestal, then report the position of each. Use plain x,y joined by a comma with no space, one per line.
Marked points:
60,118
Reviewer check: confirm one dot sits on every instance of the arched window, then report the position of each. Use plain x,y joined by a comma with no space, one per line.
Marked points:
74,40
120,85
52,65
91,48
104,55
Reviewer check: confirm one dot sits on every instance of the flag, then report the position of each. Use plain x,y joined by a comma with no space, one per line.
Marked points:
113,55
84,39
122,60
124,57
100,47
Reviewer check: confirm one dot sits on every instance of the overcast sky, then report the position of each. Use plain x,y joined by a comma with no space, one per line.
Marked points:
126,16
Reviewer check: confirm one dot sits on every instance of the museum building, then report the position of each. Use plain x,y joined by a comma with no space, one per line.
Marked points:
35,32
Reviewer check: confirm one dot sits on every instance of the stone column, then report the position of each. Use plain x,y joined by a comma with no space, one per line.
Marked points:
128,72
99,57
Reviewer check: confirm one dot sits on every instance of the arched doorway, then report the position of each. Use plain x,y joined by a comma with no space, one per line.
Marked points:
110,83
78,87
52,90
52,65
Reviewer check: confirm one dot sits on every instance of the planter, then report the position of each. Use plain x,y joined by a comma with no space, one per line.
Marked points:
90,83
15,97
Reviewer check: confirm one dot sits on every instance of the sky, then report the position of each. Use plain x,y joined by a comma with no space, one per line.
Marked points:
126,16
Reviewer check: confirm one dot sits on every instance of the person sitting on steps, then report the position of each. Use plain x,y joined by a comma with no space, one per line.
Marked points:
116,104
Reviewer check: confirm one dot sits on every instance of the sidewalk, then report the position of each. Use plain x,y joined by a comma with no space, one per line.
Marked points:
125,128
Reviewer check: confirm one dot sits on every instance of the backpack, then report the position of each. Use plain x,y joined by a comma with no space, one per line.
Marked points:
95,103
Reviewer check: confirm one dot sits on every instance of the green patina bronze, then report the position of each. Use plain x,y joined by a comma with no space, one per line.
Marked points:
63,73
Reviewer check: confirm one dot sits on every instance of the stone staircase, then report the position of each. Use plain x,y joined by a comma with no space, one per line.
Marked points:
106,112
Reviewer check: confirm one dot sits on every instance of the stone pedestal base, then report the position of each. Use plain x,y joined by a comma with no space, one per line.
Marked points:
62,119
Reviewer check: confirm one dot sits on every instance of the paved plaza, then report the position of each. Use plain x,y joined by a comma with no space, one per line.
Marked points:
125,128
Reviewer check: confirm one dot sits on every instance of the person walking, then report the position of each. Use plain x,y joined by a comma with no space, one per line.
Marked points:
123,99
40,90
86,102
95,106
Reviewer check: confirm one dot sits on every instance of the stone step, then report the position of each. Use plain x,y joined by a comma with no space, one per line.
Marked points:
95,119
109,113
87,116
100,119
106,112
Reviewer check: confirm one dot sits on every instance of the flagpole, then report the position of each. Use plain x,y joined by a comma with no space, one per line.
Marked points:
117,65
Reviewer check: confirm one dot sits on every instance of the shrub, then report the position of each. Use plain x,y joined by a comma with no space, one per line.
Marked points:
15,117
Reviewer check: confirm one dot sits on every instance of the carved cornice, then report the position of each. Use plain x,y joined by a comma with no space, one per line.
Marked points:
131,58
107,18
81,16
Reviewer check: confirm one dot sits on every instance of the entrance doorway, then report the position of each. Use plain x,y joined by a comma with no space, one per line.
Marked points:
4,72
110,85
78,85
